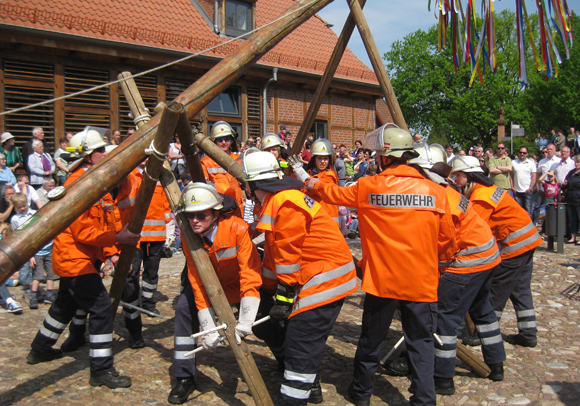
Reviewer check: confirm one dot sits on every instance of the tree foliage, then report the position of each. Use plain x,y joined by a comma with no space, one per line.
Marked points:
437,101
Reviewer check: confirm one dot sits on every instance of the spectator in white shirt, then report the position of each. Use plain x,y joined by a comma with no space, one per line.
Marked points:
524,178
22,186
565,165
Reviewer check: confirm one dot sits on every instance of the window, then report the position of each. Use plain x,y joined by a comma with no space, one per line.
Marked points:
320,129
227,103
239,17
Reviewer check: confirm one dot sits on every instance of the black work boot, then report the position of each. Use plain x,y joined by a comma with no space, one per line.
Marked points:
496,373
316,393
136,341
35,357
518,339
181,391
73,342
444,386
355,400
472,341
399,366
111,380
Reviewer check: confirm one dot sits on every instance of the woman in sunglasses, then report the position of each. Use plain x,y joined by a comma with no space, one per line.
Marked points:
224,136
239,269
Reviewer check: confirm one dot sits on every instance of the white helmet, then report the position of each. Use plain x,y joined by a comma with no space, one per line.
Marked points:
429,155
258,165
271,140
84,143
465,164
222,129
322,147
199,197
110,148
392,141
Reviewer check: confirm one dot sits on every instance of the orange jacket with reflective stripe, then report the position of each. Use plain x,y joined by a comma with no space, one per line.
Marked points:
235,261
158,215
216,174
478,250
328,176
509,222
76,248
406,230
306,249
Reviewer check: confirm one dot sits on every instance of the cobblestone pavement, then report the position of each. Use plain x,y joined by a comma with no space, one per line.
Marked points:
545,375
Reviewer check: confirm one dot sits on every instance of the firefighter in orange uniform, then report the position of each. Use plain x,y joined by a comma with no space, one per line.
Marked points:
238,267
517,238
75,251
321,167
466,284
406,231
225,138
313,265
273,144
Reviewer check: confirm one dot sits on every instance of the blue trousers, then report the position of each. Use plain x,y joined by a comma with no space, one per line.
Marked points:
458,294
419,323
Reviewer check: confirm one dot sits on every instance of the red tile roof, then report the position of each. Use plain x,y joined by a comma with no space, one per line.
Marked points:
176,24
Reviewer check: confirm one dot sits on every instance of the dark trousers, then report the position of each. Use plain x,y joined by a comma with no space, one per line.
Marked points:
458,294
150,254
306,335
511,280
87,293
271,332
419,322
186,324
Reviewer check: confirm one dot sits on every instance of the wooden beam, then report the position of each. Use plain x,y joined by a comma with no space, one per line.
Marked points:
377,63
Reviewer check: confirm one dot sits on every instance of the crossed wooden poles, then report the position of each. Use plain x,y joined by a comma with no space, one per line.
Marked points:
154,135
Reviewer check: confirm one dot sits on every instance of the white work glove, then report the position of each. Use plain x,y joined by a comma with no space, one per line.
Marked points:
248,311
294,162
206,319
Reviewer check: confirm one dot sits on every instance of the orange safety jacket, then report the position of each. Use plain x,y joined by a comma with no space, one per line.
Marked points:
305,250
328,176
158,215
235,261
478,250
406,231
76,249
216,174
509,222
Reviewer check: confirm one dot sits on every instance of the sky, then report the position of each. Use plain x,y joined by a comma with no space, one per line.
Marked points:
391,20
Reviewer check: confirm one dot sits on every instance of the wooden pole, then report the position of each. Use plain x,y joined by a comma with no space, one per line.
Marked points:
54,217
377,63
152,170
324,84
189,149
233,167
215,292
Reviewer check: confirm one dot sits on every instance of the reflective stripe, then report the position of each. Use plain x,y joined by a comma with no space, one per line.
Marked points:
286,269
181,355
491,340
47,333
498,314
148,295
475,262
521,244
478,249
184,340
131,316
216,170
326,295
526,324
445,353
296,376
526,313
328,276
227,253
153,233
443,264
134,303
79,322
101,338
153,223
148,285
52,322
167,215
266,273
108,207
484,328
267,219
285,299
294,393
103,352
125,203
448,339
518,233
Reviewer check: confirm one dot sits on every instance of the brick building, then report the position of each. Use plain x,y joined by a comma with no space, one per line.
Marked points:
54,48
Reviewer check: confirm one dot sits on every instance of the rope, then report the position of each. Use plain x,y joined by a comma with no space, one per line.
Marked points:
169,64
152,151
